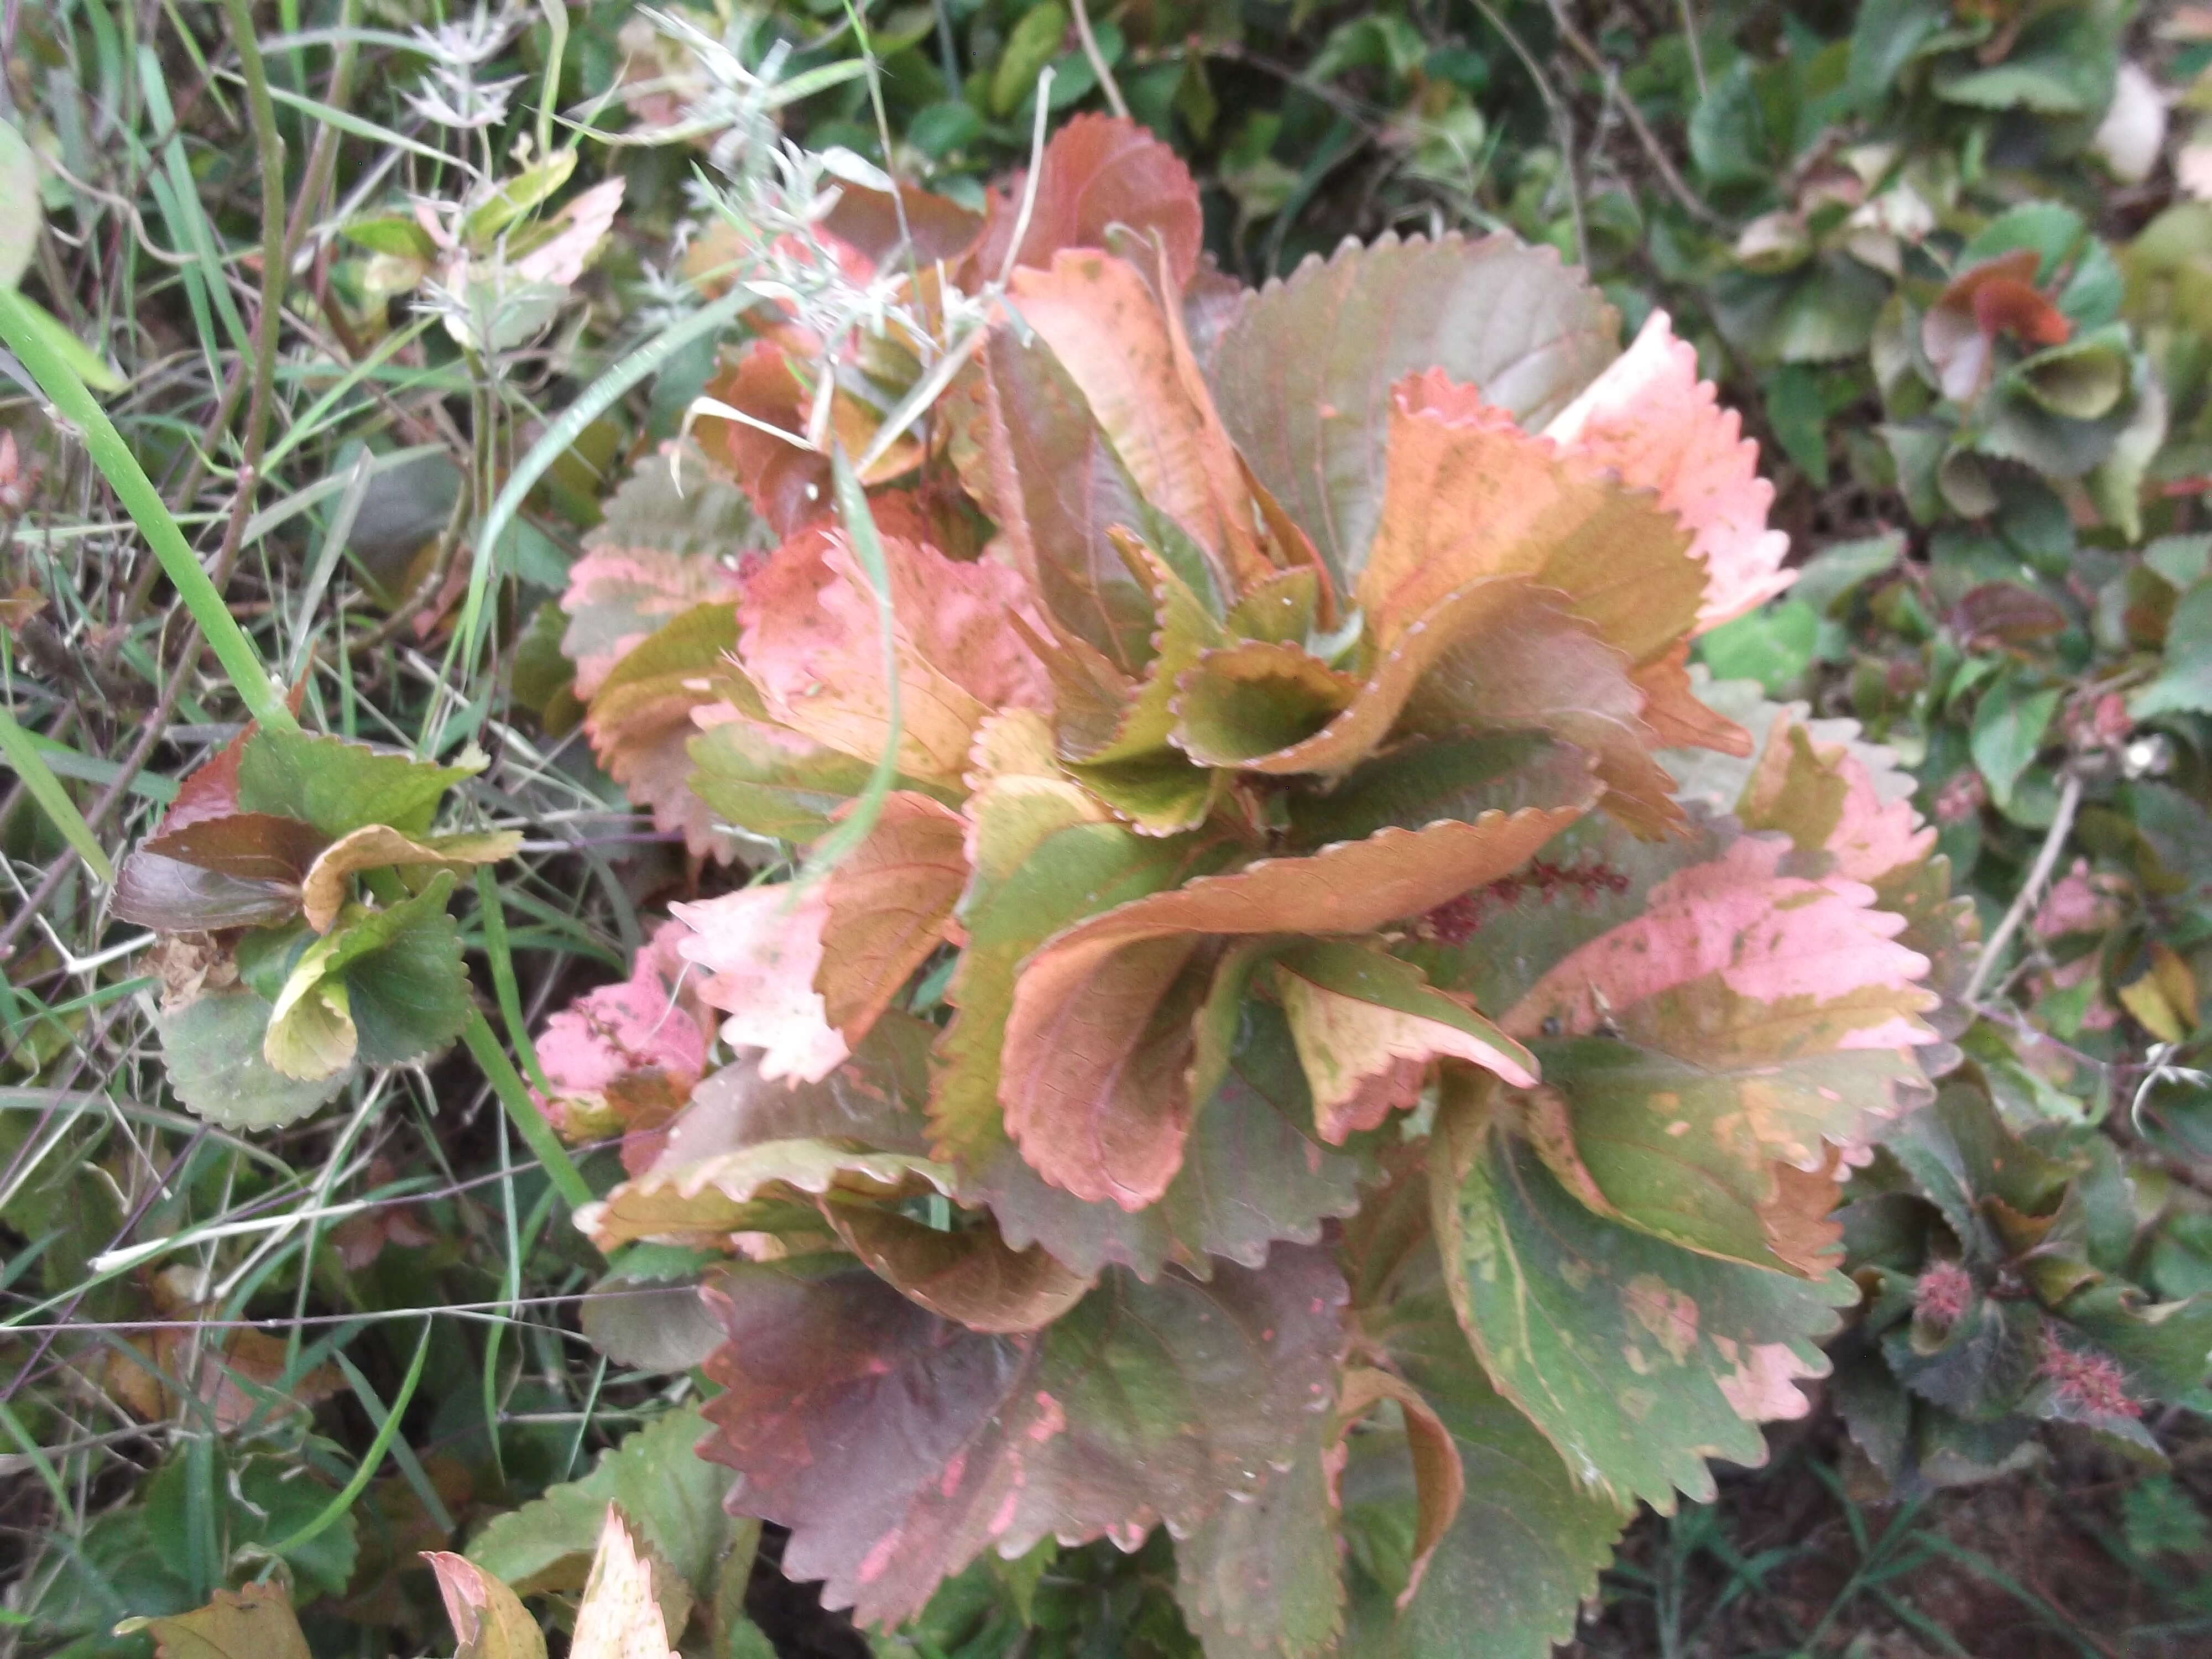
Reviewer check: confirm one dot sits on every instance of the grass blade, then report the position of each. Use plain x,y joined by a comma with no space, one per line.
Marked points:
16,748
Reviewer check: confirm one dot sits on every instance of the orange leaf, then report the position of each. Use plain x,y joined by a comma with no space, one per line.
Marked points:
1081,1072
889,903
1096,172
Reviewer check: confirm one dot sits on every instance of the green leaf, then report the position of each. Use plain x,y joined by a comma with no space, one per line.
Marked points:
1263,1579
389,982
212,1048
2009,730
1528,1543
1773,645
1729,138
338,785
1638,1359
897,1446
671,1499
1303,376
1034,43
1886,36
753,777
2184,683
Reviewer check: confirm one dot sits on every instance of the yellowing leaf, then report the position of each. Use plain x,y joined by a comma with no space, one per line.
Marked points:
256,1622
379,846
2164,997
619,1617
488,1619
1367,1026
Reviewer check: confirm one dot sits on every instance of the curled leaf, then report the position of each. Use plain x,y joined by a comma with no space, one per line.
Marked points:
379,846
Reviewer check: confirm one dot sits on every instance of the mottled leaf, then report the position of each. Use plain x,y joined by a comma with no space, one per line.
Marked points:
488,1619
1468,494
1262,1577
1638,1360
621,1051
619,595
1367,1027
896,1446
763,948
256,1622
1267,706
810,641
641,724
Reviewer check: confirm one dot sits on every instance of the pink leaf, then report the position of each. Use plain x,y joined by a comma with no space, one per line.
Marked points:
1816,960
617,1046
583,225
618,596
761,948
1650,418
810,642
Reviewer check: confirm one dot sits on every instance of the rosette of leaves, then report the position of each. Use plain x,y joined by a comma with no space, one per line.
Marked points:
2018,363
1245,777
2000,1299
298,890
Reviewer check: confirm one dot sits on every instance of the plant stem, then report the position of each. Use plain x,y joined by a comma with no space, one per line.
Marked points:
537,1133
2061,824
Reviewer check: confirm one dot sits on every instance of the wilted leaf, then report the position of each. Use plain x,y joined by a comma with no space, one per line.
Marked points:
619,1617
1638,1359
761,948
897,1446
703,1200
378,847
1651,419
1997,296
488,1619
1087,1003
886,906
245,846
1304,376
256,1622
1367,1026
175,897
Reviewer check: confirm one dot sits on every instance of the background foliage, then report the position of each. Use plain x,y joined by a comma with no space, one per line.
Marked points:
312,1353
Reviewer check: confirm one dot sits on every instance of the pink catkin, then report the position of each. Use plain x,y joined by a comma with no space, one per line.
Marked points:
1942,1293
2087,1383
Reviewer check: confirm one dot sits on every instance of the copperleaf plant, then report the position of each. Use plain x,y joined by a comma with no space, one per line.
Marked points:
1328,1042
298,891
